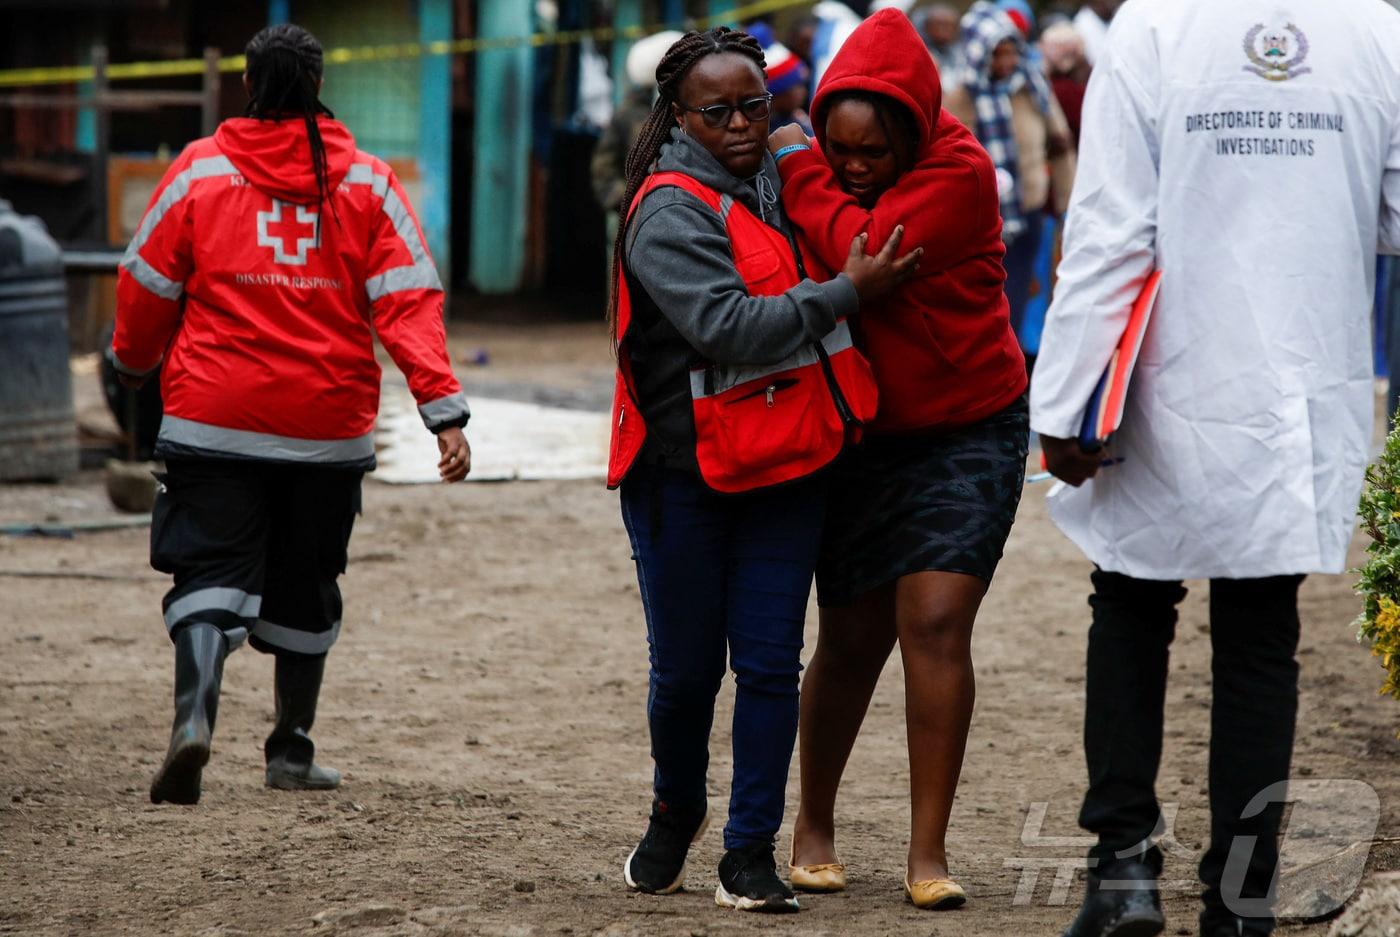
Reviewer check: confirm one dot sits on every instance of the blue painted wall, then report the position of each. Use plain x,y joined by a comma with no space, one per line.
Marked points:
501,165
435,134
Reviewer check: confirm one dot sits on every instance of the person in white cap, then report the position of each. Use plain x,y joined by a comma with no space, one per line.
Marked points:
609,180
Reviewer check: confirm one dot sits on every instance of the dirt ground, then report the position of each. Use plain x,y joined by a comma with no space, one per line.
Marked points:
486,703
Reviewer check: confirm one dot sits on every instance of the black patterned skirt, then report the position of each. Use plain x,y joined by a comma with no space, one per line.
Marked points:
913,503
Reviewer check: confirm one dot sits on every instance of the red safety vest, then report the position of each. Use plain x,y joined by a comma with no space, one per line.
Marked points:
755,426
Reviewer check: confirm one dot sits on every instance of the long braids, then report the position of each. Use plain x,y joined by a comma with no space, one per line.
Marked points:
675,65
285,64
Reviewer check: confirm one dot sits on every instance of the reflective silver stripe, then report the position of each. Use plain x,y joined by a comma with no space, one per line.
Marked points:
443,409
838,339
182,432
835,341
151,278
402,220
207,166
726,202
416,277
299,642
421,274
178,188
364,174
214,599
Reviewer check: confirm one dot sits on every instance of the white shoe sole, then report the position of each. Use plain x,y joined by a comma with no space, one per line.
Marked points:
739,903
680,878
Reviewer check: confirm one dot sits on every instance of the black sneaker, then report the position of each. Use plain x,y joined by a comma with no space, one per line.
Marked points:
657,865
748,881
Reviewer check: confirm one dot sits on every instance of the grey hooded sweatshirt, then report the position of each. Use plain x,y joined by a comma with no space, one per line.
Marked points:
689,304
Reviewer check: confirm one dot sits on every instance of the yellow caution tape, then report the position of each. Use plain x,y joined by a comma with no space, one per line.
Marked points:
68,74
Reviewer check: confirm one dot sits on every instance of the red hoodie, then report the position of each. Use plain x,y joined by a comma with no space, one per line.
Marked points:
267,329
942,346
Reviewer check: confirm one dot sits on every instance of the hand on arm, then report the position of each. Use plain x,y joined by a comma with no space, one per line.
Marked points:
829,217
875,276
679,254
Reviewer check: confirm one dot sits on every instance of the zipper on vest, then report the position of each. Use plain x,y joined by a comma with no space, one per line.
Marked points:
767,392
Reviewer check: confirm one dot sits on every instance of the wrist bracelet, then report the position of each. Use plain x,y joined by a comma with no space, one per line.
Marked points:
788,150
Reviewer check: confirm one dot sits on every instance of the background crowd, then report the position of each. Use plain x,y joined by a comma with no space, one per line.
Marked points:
1014,77
1017,80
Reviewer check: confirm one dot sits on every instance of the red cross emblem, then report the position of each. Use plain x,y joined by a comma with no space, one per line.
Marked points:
303,231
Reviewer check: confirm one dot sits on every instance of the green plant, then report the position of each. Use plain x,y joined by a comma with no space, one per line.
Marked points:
1379,582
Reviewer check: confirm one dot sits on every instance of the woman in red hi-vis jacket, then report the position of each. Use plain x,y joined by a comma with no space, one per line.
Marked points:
271,255
920,511
729,401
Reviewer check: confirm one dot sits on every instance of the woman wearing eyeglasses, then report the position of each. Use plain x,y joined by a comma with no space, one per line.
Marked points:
706,287
920,511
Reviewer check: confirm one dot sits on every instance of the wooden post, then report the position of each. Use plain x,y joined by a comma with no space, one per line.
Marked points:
209,107
102,142
501,165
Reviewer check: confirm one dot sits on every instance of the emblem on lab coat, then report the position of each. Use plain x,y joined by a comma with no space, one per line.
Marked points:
1269,52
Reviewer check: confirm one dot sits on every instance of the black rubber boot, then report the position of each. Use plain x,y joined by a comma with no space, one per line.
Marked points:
1121,901
200,650
289,749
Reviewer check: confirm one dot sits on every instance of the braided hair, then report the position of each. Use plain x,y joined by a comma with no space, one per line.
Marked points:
675,65
284,71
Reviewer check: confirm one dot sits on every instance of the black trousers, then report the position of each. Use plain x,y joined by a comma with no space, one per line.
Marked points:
1254,631
255,549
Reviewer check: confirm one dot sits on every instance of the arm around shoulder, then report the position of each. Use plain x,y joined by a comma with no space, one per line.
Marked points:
679,253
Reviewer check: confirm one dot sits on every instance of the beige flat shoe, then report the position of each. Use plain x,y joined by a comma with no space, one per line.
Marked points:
824,877
935,894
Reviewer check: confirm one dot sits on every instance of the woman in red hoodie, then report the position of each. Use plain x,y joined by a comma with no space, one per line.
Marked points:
271,255
921,510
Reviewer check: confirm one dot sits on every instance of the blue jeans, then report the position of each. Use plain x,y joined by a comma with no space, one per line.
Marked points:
723,573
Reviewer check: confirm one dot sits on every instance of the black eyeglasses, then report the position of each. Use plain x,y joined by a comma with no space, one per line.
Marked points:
716,116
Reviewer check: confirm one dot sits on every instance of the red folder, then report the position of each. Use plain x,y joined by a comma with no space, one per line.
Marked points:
1104,413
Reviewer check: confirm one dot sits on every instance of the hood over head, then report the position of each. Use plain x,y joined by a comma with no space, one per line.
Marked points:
275,155
984,27
885,55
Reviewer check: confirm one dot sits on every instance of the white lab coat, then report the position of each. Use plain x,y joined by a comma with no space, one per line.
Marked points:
1249,415
1093,31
